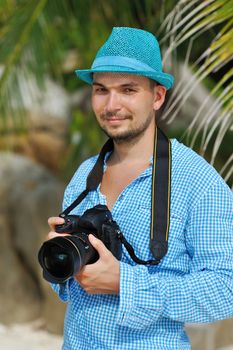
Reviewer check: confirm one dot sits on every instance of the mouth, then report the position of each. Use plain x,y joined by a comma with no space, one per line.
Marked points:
115,120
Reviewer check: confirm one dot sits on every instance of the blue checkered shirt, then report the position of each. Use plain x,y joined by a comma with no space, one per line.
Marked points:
193,282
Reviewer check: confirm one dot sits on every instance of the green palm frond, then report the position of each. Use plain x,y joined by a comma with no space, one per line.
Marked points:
189,22
37,35
22,40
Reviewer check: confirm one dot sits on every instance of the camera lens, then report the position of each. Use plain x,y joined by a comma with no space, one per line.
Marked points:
57,261
63,257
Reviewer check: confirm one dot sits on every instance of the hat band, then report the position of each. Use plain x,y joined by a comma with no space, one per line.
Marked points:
122,62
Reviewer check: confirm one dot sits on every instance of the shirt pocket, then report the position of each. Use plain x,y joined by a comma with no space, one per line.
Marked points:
177,258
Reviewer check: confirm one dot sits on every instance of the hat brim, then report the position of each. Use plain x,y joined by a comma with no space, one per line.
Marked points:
162,78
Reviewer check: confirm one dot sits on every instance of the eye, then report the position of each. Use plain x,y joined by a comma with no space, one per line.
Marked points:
99,90
129,91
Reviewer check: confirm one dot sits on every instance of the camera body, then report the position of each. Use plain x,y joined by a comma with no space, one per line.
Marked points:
63,257
98,221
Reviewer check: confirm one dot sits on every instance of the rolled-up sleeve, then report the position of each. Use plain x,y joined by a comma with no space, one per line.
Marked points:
205,294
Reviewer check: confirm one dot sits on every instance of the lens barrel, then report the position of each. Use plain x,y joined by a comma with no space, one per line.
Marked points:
63,257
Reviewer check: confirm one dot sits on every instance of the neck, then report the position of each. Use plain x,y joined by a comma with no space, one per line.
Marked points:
137,150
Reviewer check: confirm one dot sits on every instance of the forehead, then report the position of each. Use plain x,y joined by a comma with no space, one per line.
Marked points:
120,79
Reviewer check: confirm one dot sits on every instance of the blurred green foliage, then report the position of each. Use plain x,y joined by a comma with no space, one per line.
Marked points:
38,37
85,140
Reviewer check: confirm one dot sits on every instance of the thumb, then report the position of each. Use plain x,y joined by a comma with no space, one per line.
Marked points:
98,245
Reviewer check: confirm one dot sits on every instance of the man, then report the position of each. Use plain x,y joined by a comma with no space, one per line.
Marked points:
120,304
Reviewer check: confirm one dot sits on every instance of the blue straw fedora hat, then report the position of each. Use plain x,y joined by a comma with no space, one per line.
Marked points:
131,51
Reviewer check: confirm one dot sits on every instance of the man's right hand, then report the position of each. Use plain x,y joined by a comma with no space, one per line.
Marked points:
53,221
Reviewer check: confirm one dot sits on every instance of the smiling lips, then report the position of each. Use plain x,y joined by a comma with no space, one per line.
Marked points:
114,120
114,117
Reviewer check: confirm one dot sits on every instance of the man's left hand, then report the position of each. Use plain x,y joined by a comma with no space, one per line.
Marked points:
102,277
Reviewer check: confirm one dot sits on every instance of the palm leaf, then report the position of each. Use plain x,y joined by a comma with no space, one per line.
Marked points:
195,19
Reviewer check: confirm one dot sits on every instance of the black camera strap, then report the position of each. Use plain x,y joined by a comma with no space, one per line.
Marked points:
160,196
94,177
160,199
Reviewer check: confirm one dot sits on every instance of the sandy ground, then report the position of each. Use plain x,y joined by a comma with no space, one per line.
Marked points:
28,337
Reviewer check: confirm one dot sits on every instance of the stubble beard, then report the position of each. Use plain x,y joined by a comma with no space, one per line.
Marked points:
132,134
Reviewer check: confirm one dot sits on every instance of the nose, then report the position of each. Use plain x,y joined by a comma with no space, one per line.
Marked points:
112,103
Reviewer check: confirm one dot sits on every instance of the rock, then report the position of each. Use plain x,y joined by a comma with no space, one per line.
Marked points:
213,336
20,299
202,336
224,334
29,194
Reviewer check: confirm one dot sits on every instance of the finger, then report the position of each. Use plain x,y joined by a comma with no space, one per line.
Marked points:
55,220
53,234
98,245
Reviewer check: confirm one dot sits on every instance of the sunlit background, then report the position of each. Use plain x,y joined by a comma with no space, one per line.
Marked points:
47,127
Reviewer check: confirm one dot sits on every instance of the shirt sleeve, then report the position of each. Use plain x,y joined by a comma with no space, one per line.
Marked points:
205,294
62,290
74,188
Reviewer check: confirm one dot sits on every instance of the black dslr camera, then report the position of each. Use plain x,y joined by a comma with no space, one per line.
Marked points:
63,257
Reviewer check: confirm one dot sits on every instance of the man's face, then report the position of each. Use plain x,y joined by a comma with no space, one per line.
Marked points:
124,104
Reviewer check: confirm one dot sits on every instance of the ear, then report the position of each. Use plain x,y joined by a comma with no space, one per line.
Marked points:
160,93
